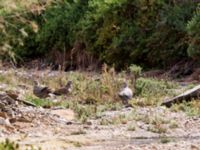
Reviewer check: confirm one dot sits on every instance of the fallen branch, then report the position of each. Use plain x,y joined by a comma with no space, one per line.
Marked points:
26,102
14,96
186,96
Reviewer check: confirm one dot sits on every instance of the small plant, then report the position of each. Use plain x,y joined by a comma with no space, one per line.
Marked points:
105,122
121,119
77,144
173,124
190,108
131,128
8,145
40,102
165,140
152,87
135,70
138,117
83,112
156,120
157,128
146,101
80,131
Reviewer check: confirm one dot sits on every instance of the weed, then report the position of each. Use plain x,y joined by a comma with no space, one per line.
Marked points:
190,108
152,87
77,144
40,102
165,140
120,119
136,70
146,101
156,120
8,145
131,128
158,128
173,124
135,116
80,131
2,78
105,122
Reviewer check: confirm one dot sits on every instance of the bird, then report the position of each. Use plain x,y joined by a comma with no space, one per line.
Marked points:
125,94
13,94
41,91
64,90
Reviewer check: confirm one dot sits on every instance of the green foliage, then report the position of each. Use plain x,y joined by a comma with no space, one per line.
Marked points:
135,70
8,145
18,29
190,108
152,87
118,32
193,28
40,102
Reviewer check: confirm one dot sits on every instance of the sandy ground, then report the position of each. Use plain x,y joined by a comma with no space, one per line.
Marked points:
51,131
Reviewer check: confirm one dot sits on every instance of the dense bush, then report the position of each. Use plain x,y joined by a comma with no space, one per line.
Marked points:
193,28
118,32
18,29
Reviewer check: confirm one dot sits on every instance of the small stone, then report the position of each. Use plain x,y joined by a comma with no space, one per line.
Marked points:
89,123
4,121
194,147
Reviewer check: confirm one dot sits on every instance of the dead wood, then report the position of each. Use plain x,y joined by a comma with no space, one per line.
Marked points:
26,102
189,95
13,96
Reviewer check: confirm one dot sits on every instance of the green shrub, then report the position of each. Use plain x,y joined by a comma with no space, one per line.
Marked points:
118,32
193,28
135,70
8,145
18,30
152,87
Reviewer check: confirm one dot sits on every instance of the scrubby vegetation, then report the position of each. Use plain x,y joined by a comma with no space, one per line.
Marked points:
9,145
97,45
193,31
118,32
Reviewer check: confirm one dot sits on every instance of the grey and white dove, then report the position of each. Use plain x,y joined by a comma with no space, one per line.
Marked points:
41,91
125,94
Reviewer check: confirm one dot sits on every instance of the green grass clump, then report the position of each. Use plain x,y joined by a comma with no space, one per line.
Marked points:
9,145
147,87
157,129
41,102
165,140
190,108
135,70
80,131
131,128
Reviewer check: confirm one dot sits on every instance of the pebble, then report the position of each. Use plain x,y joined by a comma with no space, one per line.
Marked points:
4,121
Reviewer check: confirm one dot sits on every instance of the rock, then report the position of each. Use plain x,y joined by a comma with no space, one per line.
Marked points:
4,121
3,115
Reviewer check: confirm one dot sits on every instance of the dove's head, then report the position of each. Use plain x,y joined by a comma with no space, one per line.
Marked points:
69,84
35,82
124,84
